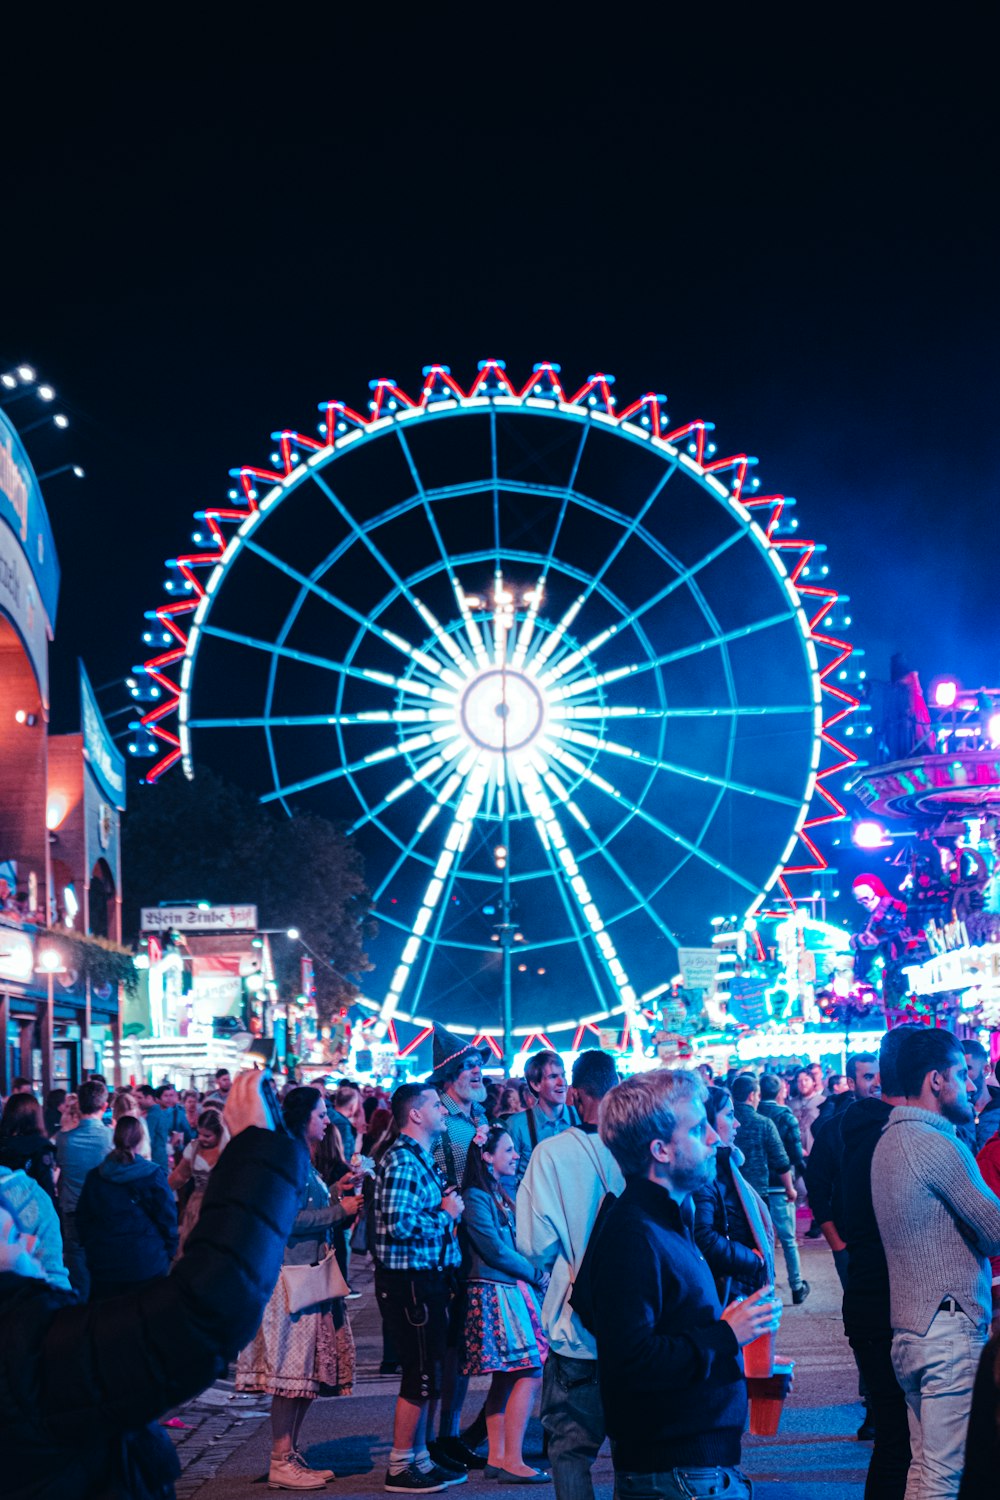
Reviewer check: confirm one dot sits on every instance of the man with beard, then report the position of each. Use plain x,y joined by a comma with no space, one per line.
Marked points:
939,1223
669,1357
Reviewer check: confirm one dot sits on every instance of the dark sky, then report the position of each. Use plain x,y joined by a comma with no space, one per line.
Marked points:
790,232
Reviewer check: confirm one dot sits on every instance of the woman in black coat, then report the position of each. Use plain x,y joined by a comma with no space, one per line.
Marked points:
126,1217
721,1227
23,1142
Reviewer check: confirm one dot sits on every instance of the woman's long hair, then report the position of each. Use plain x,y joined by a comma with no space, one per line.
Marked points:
127,1140
478,1175
297,1107
328,1156
22,1115
717,1099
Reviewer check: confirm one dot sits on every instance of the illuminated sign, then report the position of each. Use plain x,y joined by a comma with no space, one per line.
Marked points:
958,969
199,918
104,758
17,955
22,508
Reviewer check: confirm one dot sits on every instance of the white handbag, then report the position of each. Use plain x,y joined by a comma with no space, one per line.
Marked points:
307,1286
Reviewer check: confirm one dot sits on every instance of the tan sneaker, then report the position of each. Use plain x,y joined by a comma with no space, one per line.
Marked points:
286,1473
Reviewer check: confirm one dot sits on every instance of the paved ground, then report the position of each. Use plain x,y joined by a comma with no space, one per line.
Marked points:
225,1445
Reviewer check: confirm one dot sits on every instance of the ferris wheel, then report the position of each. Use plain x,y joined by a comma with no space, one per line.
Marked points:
569,678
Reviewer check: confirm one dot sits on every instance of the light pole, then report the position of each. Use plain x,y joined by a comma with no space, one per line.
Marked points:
50,964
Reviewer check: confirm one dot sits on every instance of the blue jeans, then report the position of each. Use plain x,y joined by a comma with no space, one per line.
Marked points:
936,1374
684,1484
573,1418
783,1219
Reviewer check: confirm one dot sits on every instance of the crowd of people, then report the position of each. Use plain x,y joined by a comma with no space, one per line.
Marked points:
605,1244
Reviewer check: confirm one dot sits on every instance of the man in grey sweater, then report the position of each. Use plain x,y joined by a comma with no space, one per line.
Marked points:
939,1223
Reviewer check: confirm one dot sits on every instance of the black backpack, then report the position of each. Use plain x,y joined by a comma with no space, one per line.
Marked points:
581,1298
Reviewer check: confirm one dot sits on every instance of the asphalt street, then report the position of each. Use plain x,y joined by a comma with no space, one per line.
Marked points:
225,1442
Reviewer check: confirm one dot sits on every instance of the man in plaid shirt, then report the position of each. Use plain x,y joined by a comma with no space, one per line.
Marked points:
416,1255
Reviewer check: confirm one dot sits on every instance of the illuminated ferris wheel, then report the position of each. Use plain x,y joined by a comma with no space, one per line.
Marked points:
569,678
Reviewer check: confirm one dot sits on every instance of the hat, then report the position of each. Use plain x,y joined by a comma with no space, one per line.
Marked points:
448,1050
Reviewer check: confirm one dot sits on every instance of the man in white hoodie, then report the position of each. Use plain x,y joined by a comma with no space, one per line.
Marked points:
557,1203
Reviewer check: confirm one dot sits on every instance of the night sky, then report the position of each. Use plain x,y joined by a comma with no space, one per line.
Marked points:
210,230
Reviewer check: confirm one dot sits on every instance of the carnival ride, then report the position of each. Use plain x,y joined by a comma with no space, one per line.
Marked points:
570,677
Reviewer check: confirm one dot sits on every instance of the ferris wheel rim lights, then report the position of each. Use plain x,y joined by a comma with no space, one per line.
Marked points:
644,421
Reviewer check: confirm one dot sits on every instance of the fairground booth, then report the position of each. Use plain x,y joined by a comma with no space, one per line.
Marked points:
61,798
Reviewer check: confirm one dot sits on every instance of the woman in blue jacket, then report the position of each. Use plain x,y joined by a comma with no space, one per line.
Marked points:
502,1336
126,1217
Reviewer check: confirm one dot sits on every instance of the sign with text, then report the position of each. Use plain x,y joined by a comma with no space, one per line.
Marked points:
20,602
699,967
105,760
199,919
748,1000
22,508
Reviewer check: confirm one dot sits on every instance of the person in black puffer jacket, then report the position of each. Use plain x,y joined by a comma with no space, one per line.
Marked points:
126,1217
79,1382
24,1146
722,1230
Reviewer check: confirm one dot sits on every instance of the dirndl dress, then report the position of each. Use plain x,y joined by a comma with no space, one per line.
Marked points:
310,1353
503,1328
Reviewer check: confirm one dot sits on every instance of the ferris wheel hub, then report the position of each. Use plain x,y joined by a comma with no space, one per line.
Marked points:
500,710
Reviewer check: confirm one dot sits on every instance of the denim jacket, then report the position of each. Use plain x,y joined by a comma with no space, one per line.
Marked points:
313,1222
489,1235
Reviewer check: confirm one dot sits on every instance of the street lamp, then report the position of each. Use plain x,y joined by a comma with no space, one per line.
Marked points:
62,469
50,964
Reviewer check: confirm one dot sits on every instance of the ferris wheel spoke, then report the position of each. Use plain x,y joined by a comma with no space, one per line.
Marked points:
429,664
734,711
454,843
600,679
633,526
551,833
308,658
688,574
376,758
579,769
599,845
496,491
302,721
407,850
362,535
431,947
442,636
594,742
576,924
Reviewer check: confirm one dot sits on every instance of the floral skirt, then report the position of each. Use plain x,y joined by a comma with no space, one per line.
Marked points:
308,1354
503,1328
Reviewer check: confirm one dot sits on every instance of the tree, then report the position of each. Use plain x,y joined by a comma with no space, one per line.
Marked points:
208,840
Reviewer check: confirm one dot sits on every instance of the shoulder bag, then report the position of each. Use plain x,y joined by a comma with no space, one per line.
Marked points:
307,1286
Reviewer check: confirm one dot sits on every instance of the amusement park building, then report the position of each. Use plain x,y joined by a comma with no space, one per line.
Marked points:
61,798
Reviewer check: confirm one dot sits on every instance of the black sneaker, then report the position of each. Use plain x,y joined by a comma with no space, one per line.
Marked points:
866,1432
449,1476
411,1481
800,1293
814,1232
442,1461
457,1452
